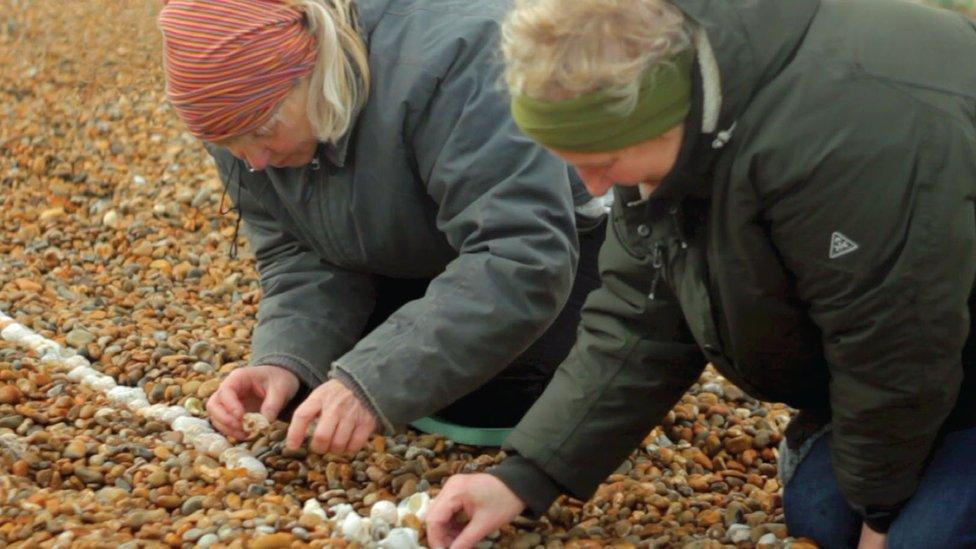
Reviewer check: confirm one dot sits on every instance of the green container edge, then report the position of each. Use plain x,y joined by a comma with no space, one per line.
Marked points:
472,436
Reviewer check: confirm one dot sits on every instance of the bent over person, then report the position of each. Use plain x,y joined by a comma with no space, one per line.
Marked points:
414,248
795,187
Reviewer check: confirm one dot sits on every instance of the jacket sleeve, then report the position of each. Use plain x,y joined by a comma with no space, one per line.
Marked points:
633,359
505,205
883,247
310,311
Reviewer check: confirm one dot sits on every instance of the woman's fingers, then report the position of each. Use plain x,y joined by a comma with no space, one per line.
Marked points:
273,403
300,420
441,529
342,437
483,497
360,437
324,432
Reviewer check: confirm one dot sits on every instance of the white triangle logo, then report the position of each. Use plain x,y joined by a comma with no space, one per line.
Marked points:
840,245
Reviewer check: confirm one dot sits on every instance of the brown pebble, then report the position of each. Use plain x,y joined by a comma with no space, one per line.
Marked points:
738,444
20,468
280,540
10,394
169,501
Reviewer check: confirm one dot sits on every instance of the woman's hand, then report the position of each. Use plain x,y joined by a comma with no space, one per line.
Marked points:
871,539
482,497
257,388
344,422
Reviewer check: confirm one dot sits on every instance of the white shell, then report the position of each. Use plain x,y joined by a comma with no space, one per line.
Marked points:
355,528
313,507
34,341
155,411
47,348
378,529
124,395
191,425
255,423
137,404
340,511
255,468
82,372
15,332
416,504
76,361
99,382
401,538
211,444
232,455
385,511
172,413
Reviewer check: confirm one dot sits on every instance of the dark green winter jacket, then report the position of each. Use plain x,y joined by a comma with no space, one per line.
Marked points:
816,241
434,181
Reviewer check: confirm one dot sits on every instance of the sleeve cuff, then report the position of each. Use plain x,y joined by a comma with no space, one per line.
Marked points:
530,484
307,374
353,385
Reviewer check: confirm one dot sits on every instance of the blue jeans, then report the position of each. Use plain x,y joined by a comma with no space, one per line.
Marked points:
942,513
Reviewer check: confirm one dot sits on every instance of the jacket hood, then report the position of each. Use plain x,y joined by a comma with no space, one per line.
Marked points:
741,46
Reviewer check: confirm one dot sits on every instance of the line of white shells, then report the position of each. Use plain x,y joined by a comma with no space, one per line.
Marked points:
196,431
383,529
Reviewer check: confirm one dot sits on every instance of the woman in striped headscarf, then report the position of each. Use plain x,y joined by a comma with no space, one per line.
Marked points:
417,253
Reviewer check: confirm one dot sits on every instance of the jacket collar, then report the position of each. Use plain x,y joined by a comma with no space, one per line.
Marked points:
369,13
739,49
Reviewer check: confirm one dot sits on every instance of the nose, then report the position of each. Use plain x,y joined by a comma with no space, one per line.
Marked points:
257,157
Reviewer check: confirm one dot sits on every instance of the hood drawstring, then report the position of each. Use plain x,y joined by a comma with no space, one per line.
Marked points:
237,223
236,176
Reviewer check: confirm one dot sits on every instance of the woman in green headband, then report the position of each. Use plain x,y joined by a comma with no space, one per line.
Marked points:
793,188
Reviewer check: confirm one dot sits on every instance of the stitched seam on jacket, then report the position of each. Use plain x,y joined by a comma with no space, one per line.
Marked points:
554,454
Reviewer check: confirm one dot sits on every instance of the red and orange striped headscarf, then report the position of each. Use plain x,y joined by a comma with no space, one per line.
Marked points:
230,62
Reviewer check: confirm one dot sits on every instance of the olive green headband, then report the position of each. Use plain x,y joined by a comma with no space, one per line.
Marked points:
590,123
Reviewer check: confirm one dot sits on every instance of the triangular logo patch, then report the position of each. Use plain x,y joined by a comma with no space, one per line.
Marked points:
840,245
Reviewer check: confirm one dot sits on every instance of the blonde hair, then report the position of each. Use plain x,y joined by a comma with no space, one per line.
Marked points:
339,82
557,50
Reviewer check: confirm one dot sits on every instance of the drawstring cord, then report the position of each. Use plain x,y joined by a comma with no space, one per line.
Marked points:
237,224
234,208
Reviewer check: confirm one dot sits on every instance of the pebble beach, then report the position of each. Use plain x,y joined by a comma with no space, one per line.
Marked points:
116,254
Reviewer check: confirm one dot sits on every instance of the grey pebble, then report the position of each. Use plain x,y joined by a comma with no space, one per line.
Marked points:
714,388
79,338
192,505
207,540
203,368
192,534
226,532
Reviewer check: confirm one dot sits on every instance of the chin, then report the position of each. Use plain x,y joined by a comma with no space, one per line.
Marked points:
296,161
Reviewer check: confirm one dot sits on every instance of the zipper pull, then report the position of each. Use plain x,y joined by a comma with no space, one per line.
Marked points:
673,210
657,263
315,163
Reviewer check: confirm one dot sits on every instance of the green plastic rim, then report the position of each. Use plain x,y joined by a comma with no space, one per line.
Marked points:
472,436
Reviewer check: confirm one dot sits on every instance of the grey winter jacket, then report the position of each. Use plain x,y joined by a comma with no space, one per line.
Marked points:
434,181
